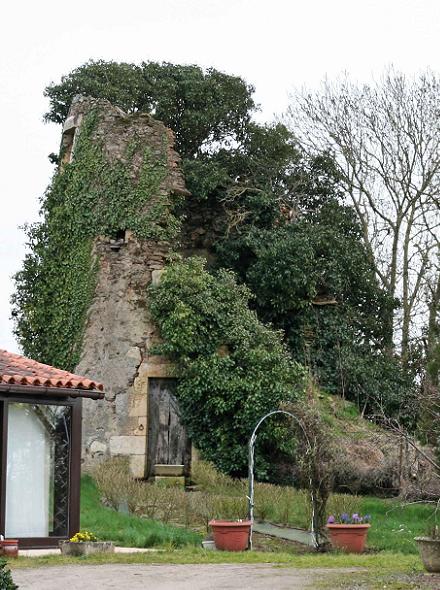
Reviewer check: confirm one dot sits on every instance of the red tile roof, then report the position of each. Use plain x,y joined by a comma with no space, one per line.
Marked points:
18,370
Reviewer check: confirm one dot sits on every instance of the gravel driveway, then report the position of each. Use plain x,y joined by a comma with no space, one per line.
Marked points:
169,577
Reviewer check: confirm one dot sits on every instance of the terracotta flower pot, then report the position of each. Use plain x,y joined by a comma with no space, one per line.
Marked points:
9,548
429,552
231,535
348,537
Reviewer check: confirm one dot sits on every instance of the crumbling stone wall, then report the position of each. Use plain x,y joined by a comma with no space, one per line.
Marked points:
119,334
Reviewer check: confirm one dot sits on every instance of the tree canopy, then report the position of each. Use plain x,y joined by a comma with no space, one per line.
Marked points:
201,107
385,138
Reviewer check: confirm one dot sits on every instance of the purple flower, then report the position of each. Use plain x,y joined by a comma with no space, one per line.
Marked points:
345,517
331,519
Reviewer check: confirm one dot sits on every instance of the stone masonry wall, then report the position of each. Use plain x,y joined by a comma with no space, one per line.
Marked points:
118,333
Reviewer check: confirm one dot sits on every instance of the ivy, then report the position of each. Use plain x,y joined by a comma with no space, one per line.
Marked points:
89,197
232,369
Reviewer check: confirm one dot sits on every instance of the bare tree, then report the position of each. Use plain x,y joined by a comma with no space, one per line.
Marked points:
385,138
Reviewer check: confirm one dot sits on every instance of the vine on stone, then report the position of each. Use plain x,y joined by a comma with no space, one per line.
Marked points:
89,197
232,369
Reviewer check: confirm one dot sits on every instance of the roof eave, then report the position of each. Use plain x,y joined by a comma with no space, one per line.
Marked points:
48,392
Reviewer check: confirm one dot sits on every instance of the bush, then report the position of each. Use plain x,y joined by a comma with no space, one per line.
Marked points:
209,479
343,504
232,369
118,487
6,582
116,484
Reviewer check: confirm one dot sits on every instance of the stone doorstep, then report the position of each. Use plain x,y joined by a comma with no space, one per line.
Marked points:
170,470
44,552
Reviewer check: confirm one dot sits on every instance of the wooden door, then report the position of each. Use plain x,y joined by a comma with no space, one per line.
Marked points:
168,443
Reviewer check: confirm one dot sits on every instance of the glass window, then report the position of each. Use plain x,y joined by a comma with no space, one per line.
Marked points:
38,468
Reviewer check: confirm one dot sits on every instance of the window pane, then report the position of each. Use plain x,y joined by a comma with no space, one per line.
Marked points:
38,466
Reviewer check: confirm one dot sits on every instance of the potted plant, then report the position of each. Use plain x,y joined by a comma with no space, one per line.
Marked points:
348,533
85,543
429,548
231,535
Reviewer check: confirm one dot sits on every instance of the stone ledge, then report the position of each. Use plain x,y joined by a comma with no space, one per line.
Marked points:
169,470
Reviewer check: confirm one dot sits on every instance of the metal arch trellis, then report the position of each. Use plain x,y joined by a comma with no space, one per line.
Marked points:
250,497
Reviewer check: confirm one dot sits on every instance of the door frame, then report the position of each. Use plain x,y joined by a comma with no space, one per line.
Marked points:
74,467
149,456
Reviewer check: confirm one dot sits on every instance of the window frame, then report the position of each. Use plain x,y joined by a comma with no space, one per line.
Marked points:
74,471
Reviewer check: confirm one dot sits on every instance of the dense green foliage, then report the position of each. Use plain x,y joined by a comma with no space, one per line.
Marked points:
274,216
287,234
201,107
313,279
88,197
6,581
232,369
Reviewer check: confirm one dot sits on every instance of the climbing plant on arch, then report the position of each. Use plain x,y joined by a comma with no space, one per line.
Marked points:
314,484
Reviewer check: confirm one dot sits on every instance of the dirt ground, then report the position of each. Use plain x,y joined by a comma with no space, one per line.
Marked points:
170,577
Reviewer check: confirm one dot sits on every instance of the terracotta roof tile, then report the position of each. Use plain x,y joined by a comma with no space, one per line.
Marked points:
19,370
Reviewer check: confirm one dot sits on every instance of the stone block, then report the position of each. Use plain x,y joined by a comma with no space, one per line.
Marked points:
170,470
70,123
138,405
128,445
140,384
141,428
156,366
156,276
137,466
98,449
133,353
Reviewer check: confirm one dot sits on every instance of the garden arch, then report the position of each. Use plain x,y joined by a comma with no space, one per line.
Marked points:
250,497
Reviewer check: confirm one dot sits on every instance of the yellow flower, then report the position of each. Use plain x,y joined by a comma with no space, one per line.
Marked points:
83,536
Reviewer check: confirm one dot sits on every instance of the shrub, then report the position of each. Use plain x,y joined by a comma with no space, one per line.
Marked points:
232,369
343,504
116,484
279,504
6,581
205,475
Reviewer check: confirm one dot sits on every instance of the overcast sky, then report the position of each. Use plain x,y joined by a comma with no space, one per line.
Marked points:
274,44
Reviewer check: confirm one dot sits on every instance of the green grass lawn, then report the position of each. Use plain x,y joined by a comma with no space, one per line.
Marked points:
381,562
394,524
126,530
392,557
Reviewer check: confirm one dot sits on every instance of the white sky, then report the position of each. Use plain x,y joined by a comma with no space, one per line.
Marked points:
276,45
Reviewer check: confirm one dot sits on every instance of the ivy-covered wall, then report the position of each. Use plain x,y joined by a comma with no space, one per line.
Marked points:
117,174
110,218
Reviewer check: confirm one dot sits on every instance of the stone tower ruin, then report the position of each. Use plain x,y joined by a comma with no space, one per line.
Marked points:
139,417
